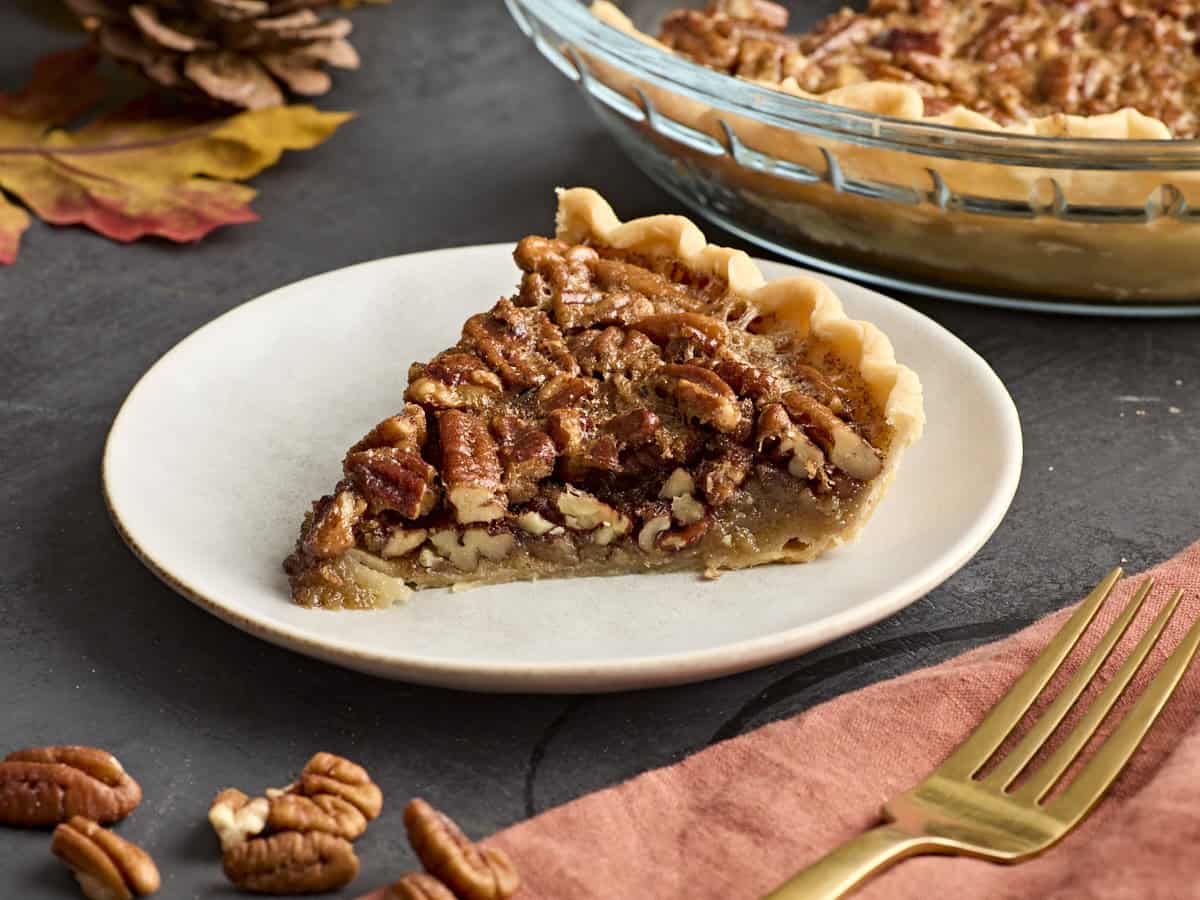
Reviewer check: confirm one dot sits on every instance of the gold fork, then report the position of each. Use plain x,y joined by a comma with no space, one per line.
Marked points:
953,811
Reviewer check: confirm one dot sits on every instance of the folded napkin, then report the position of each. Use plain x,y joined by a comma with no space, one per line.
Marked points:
732,821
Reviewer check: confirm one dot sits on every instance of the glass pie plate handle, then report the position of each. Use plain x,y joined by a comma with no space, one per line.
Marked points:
1084,225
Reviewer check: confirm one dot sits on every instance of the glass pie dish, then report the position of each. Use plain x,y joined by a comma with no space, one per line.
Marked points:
1079,223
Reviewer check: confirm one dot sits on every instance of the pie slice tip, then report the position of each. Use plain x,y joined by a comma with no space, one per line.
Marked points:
644,402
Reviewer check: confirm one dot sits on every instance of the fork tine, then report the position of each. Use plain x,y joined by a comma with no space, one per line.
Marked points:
1102,769
1043,779
1012,764
991,732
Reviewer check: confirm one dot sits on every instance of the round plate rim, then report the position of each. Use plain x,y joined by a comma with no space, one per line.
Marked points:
588,676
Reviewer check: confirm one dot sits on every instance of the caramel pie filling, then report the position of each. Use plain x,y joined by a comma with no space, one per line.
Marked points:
619,413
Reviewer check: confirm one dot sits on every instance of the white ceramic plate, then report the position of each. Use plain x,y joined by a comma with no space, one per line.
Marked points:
219,449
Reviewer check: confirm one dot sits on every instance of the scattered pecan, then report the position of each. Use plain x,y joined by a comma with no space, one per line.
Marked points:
528,455
419,886
48,785
107,866
471,872
394,478
583,512
405,429
846,448
707,39
703,332
615,351
327,773
702,394
901,39
330,532
236,818
470,467
579,448
324,812
292,862
746,379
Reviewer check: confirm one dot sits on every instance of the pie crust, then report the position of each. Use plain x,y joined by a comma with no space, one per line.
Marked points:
1046,251
646,401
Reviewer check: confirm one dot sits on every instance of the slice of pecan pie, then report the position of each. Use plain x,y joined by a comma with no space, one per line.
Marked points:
644,402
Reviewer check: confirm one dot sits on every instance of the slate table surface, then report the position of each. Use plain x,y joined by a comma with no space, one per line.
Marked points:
463,133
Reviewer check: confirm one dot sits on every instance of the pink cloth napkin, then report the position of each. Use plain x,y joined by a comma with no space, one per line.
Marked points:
732,821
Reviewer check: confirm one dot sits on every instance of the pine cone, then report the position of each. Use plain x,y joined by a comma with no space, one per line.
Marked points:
234,51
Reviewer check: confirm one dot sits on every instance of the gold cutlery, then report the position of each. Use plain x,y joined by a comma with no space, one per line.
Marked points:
957,811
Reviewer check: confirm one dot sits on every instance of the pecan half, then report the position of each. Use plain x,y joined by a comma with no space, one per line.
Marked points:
236,818
419,886
746,379
107,866
778,436
47,785
464,548
846,448
634,428
403,541
394,478
405,429
522,345
580,449
697,329
564,390
470,467
528,455
324,812
331,530
471,872
453,380
615,351
327,773
292,862
702,395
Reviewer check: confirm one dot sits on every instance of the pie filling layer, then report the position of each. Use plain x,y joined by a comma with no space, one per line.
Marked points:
620,413
1009,60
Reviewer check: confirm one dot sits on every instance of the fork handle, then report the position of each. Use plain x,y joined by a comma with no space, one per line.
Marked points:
844,868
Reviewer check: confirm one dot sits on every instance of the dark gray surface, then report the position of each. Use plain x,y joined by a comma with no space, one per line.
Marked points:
458,144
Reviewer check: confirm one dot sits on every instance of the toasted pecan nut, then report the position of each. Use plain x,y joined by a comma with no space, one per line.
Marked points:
522,345
453,380
107,866
615,351
682,538
470,467
634,428
528,455
778,436
330,533
471,872
419,886
323,812
48,785
759,13
292,862
703,331
405,429
564,390
722,475
394,478
846,448
327,773
703,395
236,818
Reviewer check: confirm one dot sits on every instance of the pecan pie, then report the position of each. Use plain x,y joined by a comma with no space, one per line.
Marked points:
643,402
1011,61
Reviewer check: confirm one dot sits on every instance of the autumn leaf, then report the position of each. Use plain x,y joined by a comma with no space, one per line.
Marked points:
137,171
